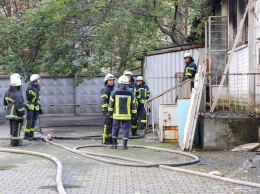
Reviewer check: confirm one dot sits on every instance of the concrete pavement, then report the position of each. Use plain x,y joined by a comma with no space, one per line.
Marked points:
30,174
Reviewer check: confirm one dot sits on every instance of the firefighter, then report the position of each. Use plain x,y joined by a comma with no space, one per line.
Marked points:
14,106
32,106
144,94
122,108
190,69
134,87
105,95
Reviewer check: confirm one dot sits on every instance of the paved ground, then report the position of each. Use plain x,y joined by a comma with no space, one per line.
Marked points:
21,173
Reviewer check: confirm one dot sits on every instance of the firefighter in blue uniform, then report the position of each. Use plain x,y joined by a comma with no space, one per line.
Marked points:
105,95
122,108
144,94
134,87
190,69
14,106
32,106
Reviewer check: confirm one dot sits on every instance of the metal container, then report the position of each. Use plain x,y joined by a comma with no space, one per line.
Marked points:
168,123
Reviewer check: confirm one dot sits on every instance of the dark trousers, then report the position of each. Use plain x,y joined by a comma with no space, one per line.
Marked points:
16,127
31,118
125,127
191,85
142,116
134,126
107,133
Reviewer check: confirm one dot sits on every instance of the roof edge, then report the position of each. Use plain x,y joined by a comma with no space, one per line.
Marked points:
173,49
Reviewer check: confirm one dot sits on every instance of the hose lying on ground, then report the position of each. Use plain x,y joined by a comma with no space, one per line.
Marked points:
195,158
140,163
245,183
60,187
88,137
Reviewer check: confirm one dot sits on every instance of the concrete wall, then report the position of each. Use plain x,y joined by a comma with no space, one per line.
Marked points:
227,133
62,97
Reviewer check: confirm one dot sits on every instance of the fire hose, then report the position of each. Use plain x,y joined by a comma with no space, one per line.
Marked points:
59,184
140,163
134,162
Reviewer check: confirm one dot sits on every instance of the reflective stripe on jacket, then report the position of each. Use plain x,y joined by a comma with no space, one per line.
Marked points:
14,104
33,96
105,95
122,104
144,93
189,71
134,87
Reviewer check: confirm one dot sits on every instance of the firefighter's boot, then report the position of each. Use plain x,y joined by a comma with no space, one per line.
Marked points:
114,145
27,136
15,142
125,144
134,132
32,134
110,140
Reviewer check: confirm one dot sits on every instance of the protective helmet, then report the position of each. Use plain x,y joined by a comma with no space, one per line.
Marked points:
139,78
127,72
15,79
109,76
123,80
34,77
187,55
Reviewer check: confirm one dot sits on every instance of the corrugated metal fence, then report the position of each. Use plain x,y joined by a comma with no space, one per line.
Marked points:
163,69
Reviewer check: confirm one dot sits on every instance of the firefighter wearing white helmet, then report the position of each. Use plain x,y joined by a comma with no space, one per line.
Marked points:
134,87
144,94
109,76
14,106
123,80
15,79
190,68
34,77
122,108
105,95
33,106
139,78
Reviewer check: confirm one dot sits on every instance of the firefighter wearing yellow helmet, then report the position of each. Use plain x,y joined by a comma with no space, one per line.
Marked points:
33,106
14,106
105,95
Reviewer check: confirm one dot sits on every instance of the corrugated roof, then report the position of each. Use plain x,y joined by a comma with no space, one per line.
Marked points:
173,49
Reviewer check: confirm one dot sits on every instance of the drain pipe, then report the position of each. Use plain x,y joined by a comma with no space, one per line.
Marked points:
59,184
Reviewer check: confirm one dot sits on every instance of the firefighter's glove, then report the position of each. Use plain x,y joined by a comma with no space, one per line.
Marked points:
105,113
40,112
149,108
